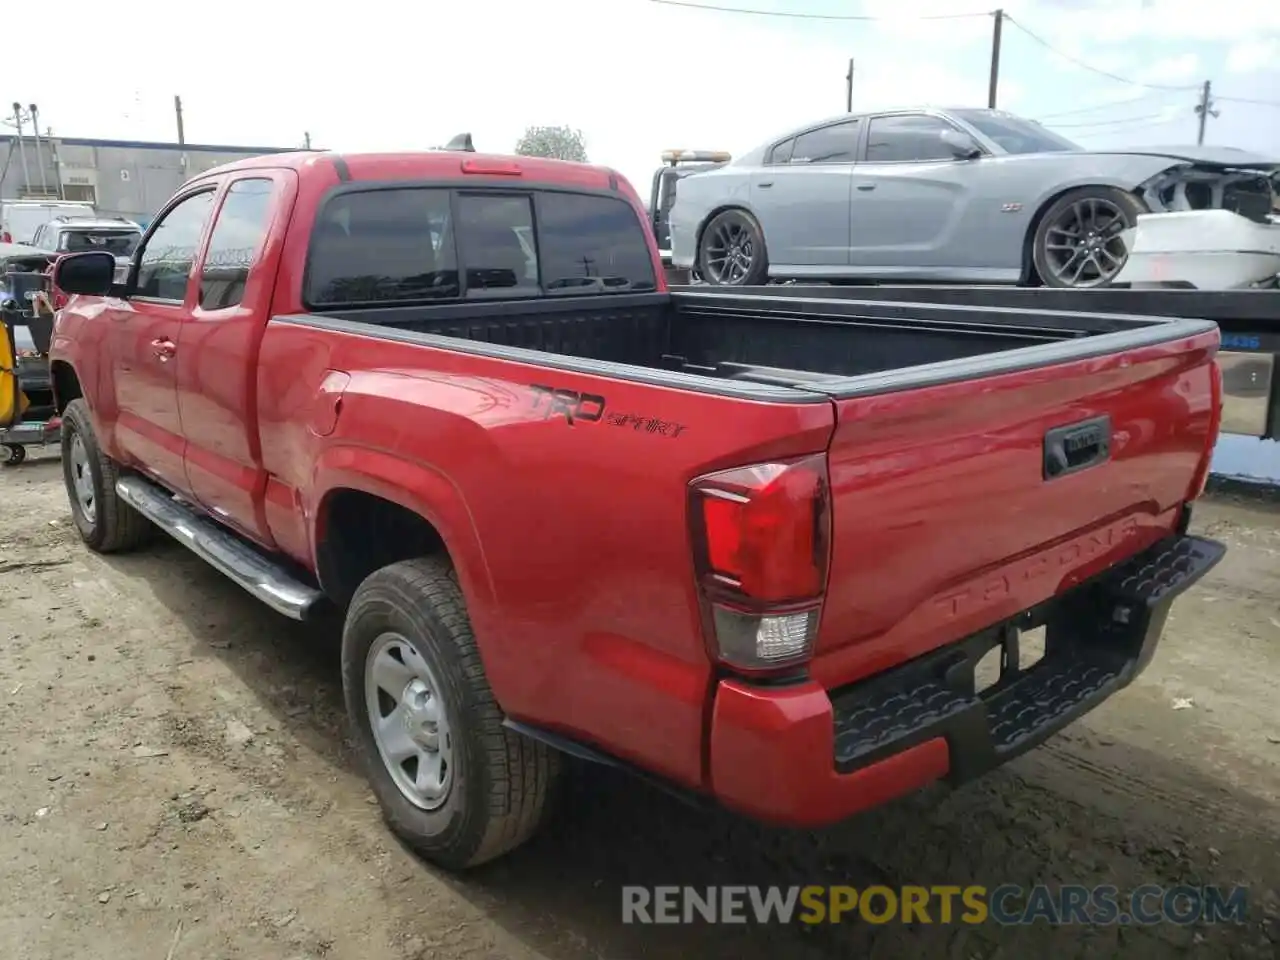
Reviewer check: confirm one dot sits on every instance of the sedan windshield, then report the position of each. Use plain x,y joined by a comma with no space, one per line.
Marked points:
1014,134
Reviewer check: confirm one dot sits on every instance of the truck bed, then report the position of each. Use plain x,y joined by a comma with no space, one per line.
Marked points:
1249,321
828,345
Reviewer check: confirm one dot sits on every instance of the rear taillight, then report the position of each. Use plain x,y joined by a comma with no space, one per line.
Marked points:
761,540
1201,479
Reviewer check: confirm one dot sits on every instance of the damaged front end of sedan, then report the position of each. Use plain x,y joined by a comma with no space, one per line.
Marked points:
1251,193
1211,227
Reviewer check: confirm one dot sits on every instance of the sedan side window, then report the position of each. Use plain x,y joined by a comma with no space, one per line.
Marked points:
905,139
837,143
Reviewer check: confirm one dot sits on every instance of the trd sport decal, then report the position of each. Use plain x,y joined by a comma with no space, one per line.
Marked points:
574,406
570,404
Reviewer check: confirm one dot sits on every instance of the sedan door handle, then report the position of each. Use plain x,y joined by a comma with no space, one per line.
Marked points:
866,186
163,349
766,185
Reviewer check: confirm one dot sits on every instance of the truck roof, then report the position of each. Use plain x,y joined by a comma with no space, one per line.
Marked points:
431,164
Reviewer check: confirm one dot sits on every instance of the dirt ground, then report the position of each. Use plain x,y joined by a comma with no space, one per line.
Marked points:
174,783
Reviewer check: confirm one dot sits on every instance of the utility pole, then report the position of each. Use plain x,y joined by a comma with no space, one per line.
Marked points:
1205,109
994,83
177,109
306,140
848,88
22,147
34,111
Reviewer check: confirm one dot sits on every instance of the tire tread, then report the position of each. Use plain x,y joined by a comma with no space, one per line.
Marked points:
519,773
119,528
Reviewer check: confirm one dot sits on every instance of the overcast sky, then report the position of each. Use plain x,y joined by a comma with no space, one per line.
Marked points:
635,75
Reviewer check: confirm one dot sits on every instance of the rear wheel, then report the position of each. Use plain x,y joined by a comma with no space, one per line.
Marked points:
731,252
452,781
14,454
1080,242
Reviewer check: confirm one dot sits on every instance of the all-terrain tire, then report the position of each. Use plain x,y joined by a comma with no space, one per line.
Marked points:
503,784
114,527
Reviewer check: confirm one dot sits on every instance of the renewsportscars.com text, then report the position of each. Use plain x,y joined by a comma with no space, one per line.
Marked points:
1008,904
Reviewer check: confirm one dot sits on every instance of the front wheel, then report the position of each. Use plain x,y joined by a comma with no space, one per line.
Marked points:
731,252
14,454
452,781
105,521
1080,240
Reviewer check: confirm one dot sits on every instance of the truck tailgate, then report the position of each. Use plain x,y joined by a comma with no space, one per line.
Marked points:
965,493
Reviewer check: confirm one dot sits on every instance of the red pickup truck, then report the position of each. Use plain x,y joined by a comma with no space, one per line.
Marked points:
754,547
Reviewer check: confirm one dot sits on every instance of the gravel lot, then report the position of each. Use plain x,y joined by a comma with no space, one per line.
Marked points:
174,783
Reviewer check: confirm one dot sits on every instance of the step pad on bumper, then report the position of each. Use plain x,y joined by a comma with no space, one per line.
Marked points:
1099,636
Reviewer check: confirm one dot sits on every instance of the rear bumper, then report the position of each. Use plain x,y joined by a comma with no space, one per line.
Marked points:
805,756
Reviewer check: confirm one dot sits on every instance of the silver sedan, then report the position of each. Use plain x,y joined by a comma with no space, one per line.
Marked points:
978,196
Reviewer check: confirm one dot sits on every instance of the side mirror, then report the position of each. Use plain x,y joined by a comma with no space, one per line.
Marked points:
91,273
961,146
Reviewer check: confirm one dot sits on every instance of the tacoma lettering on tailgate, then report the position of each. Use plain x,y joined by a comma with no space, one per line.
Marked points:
1061,559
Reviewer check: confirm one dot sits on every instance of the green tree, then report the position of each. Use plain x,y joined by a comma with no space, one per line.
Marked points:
557,143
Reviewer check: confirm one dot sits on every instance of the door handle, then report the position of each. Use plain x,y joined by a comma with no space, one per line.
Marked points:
766,185
1077,446
163,349
866,186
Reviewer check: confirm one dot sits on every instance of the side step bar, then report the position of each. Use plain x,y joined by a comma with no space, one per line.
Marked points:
224,551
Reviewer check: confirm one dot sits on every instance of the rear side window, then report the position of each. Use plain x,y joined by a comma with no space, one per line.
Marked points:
837,143
590,244
412,244
237,236
383,246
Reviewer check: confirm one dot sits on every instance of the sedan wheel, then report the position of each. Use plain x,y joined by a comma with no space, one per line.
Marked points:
732,251
1080,241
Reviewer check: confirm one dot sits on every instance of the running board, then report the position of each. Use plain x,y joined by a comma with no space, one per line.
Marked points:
224,551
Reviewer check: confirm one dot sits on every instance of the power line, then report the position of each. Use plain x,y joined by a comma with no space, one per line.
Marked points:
1107,123
791,15
1110,105
1127,130
1260,103
1156,88
1092,69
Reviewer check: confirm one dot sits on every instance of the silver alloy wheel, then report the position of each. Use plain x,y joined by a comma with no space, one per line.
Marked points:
409,721
1084,246
730,253
82,479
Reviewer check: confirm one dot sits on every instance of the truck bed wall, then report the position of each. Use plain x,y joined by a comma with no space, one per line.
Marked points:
661,332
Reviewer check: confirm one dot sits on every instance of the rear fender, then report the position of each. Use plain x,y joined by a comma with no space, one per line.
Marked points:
415,487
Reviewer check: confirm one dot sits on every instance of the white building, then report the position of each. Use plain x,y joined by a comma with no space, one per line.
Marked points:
121,178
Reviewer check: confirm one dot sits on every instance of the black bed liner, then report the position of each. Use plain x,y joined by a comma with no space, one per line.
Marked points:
767,345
